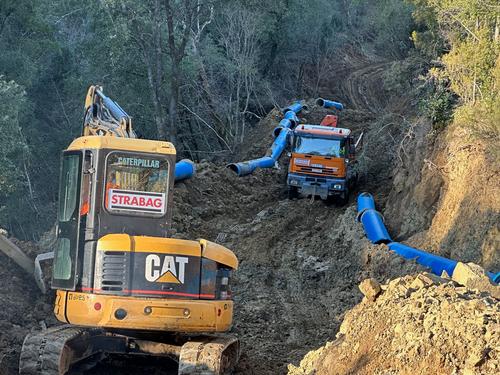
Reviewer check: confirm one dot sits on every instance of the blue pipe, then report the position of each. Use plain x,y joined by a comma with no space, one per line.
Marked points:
247,167
281,134
329,104
365,202
494,276
295,107
436,263
376,232
284,124
279,144
292,117
184,169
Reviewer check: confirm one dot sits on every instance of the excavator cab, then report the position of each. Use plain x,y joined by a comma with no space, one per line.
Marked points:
108,190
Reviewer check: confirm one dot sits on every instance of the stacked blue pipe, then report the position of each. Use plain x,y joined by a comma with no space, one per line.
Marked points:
281,133
329,104
184,169
373,224
292,117
295,107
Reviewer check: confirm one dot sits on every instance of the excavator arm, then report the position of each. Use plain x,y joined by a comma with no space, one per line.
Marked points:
103,116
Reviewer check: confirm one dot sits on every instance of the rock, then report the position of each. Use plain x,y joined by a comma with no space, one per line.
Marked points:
370,288
474,277
475,358
425,280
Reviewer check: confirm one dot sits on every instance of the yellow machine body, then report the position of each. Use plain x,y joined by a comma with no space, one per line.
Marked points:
115,267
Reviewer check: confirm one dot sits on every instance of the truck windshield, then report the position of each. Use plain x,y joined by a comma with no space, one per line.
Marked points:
136,184
319,146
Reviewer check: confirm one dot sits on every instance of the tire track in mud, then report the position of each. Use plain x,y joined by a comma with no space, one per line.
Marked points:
364,87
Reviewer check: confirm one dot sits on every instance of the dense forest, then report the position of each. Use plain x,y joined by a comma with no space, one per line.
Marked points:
200,74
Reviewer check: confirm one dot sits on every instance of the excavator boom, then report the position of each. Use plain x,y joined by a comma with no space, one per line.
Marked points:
103,116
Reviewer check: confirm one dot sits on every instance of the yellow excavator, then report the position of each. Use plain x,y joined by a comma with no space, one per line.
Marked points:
122,285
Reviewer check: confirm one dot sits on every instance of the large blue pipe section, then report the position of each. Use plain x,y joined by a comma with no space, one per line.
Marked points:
295,107
184,169
373,223
246,167
281,133
329,104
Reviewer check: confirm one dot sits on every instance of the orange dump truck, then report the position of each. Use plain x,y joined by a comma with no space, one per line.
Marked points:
322,161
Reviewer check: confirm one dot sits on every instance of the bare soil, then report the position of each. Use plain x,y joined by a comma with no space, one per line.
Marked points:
418,325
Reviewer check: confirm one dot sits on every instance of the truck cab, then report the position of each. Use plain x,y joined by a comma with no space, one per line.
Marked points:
322,161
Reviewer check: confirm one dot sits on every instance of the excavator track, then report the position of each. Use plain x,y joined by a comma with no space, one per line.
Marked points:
212,355
53,351
56,350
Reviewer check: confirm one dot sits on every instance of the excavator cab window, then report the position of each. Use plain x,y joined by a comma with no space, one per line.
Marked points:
136,184
68,222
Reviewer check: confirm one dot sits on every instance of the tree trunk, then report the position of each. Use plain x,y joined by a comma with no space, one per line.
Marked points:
173,103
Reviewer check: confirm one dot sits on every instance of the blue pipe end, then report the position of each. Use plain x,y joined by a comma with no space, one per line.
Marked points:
329,104
184,169
365,202
246,167
277,130
495,277
291,116
236,168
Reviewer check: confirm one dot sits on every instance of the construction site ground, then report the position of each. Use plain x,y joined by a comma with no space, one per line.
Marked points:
301,261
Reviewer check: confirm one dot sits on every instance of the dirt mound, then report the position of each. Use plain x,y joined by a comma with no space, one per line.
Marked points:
23,308
418,325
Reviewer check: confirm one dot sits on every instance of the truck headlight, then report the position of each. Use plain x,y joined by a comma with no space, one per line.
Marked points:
337,187
294,182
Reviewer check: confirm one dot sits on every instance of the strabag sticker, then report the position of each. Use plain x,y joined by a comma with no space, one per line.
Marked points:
136,201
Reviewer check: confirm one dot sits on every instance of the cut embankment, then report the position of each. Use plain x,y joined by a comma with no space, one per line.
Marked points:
413,325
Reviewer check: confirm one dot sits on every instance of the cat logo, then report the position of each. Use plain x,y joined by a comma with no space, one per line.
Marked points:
170,270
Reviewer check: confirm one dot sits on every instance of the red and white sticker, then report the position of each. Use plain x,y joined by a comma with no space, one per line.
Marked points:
304,162
136,201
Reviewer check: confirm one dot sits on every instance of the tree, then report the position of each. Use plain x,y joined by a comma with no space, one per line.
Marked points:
13,149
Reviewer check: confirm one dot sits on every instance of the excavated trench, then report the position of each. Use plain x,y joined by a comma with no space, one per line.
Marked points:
300,260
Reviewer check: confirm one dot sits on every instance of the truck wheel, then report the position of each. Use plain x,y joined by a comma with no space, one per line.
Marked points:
344,197
293,192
